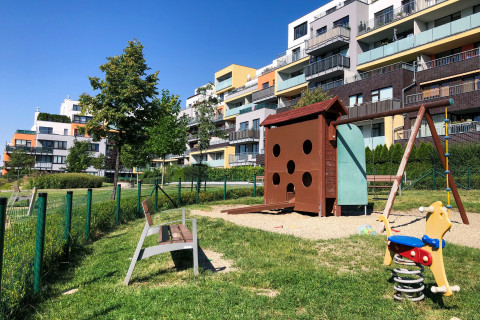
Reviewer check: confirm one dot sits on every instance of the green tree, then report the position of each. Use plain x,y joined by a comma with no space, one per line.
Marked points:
126,105
135,156
79,156
204,112
169,134
312,96
19,159
99,162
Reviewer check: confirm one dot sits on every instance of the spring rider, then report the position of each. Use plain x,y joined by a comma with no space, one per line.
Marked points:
428,251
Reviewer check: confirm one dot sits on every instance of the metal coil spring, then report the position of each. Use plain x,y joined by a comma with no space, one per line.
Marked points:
410,287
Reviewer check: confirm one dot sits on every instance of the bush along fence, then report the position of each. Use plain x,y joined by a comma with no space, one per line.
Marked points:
32,244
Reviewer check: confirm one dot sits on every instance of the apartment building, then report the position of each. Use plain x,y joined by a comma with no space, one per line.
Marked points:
50,138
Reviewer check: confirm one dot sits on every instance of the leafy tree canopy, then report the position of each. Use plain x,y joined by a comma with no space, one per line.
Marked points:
312,96
79,156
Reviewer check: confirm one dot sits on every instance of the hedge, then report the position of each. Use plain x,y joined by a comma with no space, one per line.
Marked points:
20,239
65,181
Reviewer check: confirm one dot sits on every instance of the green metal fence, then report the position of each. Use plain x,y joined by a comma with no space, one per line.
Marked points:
59,223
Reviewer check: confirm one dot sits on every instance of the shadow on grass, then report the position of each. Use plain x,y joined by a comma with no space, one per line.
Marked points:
102,312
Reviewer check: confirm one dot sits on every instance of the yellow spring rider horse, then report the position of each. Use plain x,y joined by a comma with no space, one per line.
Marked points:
427,251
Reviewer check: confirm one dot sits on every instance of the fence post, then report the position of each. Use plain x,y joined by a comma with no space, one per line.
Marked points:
156,194
179,196
3,218
254,185
198,188
117,215
68,224
225,187
433,177
139,195
469,180
89,213
39,243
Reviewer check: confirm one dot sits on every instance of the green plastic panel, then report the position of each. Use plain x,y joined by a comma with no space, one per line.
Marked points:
351,172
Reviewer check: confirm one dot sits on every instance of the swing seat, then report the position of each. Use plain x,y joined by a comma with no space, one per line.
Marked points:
407,241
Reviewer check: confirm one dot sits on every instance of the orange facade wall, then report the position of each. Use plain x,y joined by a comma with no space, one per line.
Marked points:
268,77
23,136
75,126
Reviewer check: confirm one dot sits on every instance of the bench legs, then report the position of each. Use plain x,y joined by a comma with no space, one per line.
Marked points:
195,247
136,254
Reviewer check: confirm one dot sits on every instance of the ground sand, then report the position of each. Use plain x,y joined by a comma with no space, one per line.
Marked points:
410,223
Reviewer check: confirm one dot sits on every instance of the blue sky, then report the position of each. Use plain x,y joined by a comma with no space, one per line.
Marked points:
49,48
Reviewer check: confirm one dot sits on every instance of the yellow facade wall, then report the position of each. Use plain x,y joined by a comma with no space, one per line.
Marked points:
239,76
391,123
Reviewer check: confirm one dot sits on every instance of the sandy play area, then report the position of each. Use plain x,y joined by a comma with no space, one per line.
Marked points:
410,223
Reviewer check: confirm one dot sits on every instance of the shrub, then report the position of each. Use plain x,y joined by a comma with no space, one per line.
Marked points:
66,181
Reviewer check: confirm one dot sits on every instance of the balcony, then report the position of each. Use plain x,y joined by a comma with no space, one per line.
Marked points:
331,39
244,136
340,5
223,84
292,82
327,66
25,132
449,60
440,92
288,103
242,159
30,150
454,128
369,108
235,111
373,142
43,165
264,94
291,58
215,163
422,38
259,106
241,91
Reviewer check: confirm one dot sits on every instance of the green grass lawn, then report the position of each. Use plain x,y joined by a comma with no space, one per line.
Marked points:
332,279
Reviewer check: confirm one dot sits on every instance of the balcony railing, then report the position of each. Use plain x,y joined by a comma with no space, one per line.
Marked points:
259,106
242,90
336,61
289,103
25,132
291,58
215,163
43,165
292,82
396,14
327,37
249,135
223,84
340,5
36,150
263,94
454,128
369,108
445,91
373,142
242,158
434,34
234,111
454,58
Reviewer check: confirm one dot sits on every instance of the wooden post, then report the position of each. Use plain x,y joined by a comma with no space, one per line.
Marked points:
401,168
441,154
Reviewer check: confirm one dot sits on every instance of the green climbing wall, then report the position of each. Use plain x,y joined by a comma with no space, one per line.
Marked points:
351,172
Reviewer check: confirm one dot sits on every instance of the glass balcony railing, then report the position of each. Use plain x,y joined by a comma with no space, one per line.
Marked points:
291,58
223,84
215,163
234,111
36,150
422,38
292,82
323,66
373,142
242,158
25,132
259,106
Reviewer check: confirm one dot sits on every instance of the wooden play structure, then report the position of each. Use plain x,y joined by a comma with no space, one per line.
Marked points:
428,251
172,236
308,161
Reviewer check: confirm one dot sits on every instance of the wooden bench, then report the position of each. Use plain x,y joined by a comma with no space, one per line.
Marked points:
172,236
380,178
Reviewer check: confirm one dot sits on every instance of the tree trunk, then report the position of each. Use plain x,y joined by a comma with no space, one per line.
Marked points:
163,171
115,174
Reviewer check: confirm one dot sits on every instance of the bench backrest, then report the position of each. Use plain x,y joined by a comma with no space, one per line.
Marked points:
147,205
380,178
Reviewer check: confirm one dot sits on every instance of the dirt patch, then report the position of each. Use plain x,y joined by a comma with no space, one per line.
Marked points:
214,261
410,223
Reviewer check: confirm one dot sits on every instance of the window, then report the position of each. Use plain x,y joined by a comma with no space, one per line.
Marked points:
476,9
344,22
296,73
59,159
356,100
23,143
408,6
256,124
45,130
65,132
447,19
60,145
255,148
94,147
331,10
76,133
383,16
217,156
296,54
265,85
322,30
81,119
244,126
44,159
382,94
243,148
221,97
378,130
76,108
299,31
